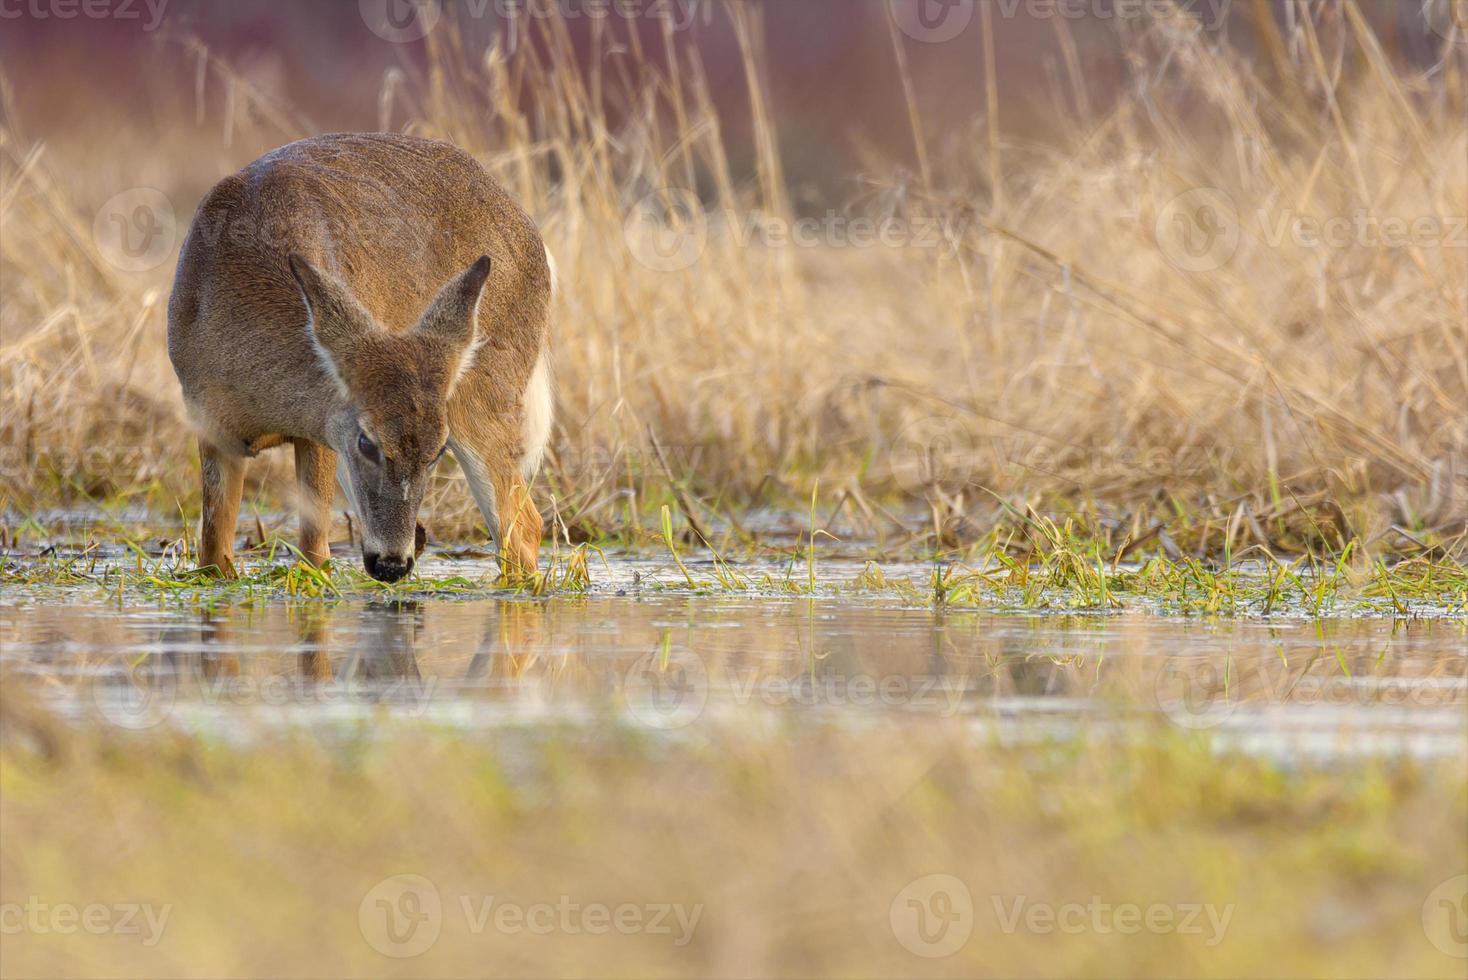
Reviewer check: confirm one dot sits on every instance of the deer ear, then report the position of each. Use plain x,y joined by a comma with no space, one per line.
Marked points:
338,325
451,321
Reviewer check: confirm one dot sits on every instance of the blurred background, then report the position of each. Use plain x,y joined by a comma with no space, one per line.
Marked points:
828,67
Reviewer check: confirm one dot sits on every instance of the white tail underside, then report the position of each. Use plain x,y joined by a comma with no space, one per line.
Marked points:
539,401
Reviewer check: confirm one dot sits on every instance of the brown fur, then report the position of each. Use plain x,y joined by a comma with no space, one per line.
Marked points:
380,223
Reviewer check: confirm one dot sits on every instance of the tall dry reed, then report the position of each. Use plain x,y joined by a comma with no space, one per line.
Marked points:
1232,296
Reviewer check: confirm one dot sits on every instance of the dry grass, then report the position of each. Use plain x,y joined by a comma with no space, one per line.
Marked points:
1049,348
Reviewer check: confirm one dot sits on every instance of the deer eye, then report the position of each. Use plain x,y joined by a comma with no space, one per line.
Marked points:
368,448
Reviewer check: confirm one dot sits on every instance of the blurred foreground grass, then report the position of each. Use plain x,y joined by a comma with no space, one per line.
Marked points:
801,843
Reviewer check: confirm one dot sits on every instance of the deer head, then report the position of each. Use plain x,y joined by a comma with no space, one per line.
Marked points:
389,423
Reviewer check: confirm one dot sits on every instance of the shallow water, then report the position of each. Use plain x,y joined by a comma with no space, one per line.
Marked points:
636,651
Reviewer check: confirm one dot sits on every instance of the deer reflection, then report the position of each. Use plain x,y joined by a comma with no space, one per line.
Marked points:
303,654
509,645
387,641
236,655
388,648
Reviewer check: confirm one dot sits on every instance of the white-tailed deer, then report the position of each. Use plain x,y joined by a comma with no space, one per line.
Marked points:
373,300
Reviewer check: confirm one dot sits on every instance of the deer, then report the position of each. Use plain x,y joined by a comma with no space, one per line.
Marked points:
375,301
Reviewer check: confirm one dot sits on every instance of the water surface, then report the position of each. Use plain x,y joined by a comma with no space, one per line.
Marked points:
636,652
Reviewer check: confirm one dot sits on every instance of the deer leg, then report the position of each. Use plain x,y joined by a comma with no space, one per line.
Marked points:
498,444
520,523
504,501
315,657
223,484
315,479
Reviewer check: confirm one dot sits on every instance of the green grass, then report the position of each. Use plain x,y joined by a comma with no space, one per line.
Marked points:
1024,560
1065,572
1272,587
274,569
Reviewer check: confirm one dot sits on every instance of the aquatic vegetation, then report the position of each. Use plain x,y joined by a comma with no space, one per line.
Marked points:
1067,571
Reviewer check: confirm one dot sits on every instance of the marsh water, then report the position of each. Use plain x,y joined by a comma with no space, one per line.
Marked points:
637,650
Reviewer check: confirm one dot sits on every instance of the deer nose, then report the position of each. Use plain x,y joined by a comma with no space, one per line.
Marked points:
387,568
